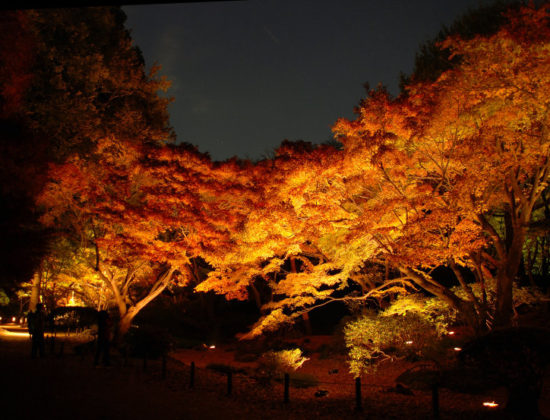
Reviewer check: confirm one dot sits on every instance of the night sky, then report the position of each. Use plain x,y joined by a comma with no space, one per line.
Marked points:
249,74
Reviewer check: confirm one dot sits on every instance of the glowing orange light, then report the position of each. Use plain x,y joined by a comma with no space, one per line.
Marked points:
457,349
451,333
72,301
212,346
13,319
491,404
408,342
15,334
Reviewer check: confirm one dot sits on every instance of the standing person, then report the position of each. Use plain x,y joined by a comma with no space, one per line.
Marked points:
36,323
103,338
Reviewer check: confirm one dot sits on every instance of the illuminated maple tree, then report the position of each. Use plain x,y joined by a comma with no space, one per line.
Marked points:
64,277
70,77
447,175
143,213
292,240
457,156
452,173
99,201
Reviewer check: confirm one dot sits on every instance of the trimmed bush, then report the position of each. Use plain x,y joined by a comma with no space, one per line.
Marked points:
283,360
373,338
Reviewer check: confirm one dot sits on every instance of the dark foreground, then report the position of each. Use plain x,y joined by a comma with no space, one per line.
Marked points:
67,386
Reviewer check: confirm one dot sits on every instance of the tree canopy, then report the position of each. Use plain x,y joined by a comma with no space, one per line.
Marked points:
74,83
452,173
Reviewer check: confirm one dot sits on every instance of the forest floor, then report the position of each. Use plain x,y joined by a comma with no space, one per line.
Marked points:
64,385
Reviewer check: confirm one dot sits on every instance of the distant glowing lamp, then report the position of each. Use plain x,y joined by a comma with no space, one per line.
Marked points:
457,349
13,319
408,342
72,301
0,318
490,404
212,346
451,333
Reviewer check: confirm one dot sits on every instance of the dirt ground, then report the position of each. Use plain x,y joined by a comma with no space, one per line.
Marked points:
67,386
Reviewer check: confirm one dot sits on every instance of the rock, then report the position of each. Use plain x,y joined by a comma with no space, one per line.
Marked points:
321,393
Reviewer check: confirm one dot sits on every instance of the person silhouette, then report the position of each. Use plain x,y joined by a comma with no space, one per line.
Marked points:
103,338
36,323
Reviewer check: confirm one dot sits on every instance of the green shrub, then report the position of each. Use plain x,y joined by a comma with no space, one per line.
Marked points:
4,299
438,313
274,364
429,309
283,360
373,338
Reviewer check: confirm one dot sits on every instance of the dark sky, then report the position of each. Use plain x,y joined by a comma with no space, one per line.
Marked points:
248,74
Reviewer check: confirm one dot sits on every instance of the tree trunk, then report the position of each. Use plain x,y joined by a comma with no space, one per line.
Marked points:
35,291
465,308
506,274
423,280
129,313
126,322
504,300
472,309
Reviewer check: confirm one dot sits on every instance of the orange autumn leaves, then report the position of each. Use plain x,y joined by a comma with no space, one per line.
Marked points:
423,181
459,155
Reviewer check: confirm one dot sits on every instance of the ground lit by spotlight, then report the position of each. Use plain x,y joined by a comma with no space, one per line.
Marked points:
14,331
